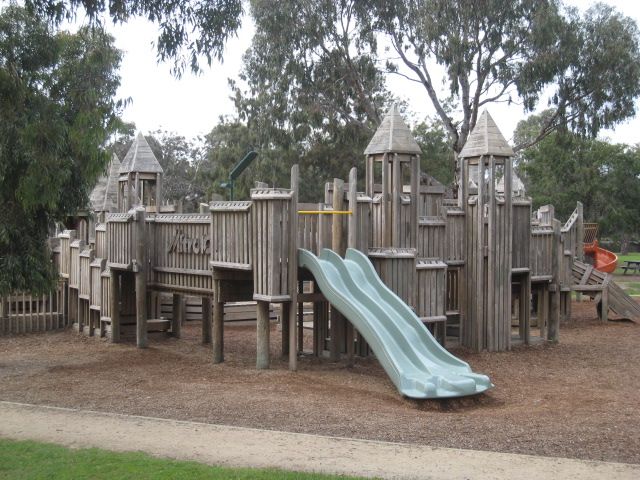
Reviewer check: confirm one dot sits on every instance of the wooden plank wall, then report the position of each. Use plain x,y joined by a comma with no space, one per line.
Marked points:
231,235
101,240
377,236
74,263
105,285
396,267
120,239
430,202
431,237
66,238
541,253
271,216
97,267
431,291
364,223
86,257
521,233
308,227
26,313
182,252
455,236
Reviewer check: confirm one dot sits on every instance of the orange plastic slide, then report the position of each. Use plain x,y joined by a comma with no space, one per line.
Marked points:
603,260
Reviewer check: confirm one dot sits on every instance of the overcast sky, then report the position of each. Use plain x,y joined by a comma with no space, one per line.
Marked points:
192,104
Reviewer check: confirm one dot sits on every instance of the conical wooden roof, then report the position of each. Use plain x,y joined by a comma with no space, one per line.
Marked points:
104,196
393,136
140,158
486,139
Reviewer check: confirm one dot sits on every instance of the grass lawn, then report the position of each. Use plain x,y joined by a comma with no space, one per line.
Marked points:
32,460
632,287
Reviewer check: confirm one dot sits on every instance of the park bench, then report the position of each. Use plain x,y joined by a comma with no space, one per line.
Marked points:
633,265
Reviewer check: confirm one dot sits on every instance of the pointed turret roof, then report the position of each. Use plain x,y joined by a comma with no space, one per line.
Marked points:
486,139
517,186
393,135
140,158
104,196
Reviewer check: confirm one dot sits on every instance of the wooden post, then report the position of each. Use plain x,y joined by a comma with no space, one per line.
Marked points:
338,204
385,222
284,323
178,313
218,326
352,238
396,202
604,301
262,330
206,320
293,269
141,279
300,319
352,242
159,192
336,246
114,305
554,308
415,198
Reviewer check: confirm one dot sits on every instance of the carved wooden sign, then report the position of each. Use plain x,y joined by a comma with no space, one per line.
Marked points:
181,243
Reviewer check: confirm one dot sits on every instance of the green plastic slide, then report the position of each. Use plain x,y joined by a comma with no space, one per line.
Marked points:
416,363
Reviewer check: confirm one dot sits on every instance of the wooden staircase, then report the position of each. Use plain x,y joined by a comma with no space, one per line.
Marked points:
601,287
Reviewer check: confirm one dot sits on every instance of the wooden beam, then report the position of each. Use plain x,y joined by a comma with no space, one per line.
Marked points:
206,320
293,268
141,279
262,337
217,341
178,313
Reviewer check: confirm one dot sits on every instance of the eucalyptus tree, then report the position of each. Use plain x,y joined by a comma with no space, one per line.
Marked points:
57,108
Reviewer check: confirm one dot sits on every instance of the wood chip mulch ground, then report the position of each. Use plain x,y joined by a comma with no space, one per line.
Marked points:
579,398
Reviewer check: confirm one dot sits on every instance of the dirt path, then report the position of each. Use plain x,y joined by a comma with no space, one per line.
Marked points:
234,446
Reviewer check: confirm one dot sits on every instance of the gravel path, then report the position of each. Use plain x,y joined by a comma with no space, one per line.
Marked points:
235,446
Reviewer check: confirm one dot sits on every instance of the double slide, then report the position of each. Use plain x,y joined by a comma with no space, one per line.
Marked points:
416,363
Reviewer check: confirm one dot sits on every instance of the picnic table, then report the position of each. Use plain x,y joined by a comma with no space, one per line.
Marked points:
633,265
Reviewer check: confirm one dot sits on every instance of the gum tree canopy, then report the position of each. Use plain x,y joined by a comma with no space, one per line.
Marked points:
189,29
57,108
465,55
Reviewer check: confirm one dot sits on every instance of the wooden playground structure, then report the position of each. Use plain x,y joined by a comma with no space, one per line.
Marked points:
468,266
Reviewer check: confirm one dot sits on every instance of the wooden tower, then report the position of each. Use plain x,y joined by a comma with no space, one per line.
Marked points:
393,157
140,182
485,158
104,196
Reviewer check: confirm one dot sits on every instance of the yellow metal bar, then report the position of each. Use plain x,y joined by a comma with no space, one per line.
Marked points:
324,212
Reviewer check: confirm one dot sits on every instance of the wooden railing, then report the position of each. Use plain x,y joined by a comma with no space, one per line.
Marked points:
120,239
66,238
180,249
74,263
84,286
231,235
454,245
25,312
521,234
101,240
541,251
431,237
271,216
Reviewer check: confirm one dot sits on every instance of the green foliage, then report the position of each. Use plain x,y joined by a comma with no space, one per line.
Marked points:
516,50
57,108
20,460
565,168
437,156
190,30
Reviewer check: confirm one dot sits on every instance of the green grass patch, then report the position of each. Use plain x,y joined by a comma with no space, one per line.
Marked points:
34,460
634,257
